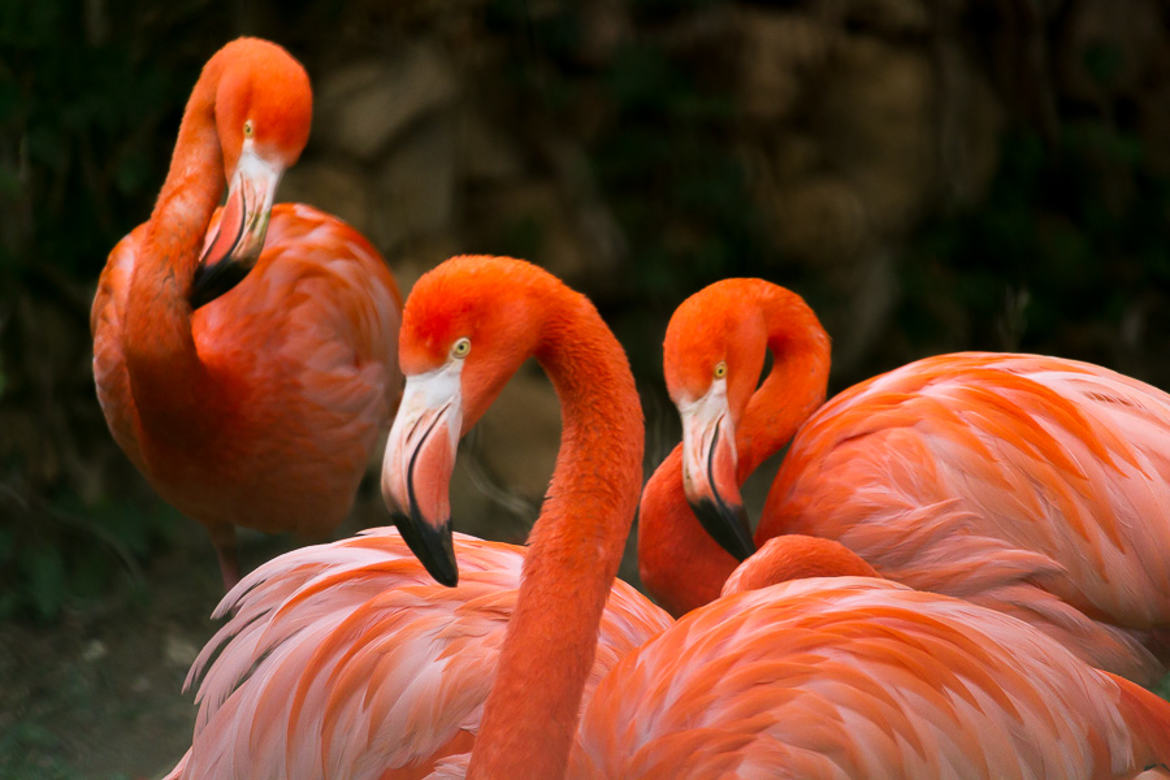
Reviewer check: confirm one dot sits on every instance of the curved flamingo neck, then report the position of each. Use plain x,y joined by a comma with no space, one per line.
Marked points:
574,549
171,387
680,564
797,383
793,557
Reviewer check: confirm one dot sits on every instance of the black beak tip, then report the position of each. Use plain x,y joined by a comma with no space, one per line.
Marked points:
727,525
212,281
432,546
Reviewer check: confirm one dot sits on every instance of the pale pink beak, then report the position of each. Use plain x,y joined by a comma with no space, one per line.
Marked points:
233,250
416,472
709,466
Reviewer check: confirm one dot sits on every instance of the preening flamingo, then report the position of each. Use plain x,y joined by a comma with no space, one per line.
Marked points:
246,395
1033,485
347,660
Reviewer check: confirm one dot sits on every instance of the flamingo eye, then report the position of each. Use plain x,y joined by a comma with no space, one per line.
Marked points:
720,369
248,130
460,348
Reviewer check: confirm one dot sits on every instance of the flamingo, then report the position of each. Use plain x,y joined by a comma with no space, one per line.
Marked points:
248,386
1033,485
347,659
839,676
328,693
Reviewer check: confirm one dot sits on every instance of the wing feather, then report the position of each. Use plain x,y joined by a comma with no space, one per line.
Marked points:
1002,479
856,677
347,660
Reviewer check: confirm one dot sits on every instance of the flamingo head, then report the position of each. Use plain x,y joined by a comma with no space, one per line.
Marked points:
263,108
467,326
712,358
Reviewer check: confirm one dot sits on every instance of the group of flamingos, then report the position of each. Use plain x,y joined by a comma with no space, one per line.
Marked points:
962,565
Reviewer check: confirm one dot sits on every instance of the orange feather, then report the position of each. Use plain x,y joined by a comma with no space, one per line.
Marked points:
260,408
857,677
1034,485
345,660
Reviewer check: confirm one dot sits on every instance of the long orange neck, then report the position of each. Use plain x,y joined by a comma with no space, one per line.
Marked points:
793,557
169,382
795,387
574,550
680,564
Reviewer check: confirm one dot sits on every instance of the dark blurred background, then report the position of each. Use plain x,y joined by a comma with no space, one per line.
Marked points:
931,176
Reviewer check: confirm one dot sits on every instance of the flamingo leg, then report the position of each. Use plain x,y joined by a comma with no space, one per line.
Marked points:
223,538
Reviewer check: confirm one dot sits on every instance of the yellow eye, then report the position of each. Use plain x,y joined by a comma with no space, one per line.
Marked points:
720,370
460,348
248,128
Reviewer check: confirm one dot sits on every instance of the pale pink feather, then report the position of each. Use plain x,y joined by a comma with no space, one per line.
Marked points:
346,660
856,677
1035,485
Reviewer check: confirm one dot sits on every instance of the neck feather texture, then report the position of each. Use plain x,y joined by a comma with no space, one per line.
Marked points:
796,385
680,563
172,391
794,557
574,550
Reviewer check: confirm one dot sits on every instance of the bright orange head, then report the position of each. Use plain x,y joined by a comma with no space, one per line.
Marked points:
467,326
263,109
712,358
716,334
263,101
478,312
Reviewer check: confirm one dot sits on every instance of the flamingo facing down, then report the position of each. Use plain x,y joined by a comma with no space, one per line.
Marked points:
247,396
848,676
1033,485
347,660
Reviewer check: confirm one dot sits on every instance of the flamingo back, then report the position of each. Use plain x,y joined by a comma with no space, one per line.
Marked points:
306,347
1035,485
348,660
109,361
858,677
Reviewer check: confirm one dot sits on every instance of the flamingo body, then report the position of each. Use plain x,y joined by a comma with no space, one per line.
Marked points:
856,677
245,357
348,660
307,345
1034,485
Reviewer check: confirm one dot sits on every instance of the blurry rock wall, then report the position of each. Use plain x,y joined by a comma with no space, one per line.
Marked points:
931,176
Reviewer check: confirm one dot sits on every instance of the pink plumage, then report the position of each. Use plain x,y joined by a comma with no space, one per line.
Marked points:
348,660
1038,486
858,677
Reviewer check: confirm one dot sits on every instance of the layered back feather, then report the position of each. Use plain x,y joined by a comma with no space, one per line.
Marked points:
857,677
347,660
1035,485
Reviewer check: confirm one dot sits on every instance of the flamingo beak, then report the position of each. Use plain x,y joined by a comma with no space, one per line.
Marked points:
709,464
231,250
416,472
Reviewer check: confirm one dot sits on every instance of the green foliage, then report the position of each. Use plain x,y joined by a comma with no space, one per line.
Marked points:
27,750
86,111
677,189
90,99
1163,688
1071,244
67,556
